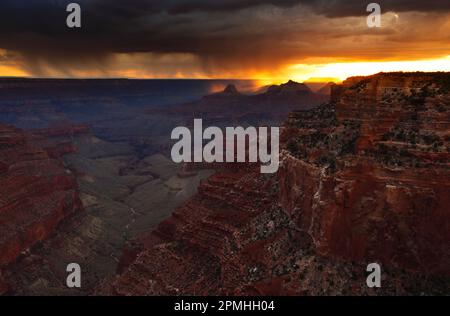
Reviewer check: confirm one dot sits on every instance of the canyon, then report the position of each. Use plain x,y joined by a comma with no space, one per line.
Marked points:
37,193
106,142
363,178
118,195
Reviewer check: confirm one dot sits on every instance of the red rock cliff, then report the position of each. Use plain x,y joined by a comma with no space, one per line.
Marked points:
363,179
37,192
368,176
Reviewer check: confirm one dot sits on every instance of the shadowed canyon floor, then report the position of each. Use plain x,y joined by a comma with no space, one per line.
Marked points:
121,197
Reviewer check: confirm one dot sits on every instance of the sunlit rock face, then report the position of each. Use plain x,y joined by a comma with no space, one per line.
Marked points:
37,192
362,179
368,175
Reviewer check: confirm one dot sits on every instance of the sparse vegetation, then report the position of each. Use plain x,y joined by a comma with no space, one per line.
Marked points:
414,137
393,156
341,141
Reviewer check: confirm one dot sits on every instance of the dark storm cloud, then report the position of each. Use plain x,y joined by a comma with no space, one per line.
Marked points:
215,31
336,8
345,8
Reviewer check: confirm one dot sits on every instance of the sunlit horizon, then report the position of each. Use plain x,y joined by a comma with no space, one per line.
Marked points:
306,72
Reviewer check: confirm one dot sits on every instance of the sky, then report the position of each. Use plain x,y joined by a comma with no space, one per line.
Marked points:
269,40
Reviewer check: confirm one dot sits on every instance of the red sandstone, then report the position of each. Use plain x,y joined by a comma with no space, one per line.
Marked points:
347,194
36,194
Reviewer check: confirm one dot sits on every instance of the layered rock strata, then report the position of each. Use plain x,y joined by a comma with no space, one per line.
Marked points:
37,192
363,179
368,176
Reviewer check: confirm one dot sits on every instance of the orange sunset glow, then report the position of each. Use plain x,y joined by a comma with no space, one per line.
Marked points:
325,72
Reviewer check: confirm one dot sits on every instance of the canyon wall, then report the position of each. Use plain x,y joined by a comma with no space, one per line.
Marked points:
36,194
368,175
362,179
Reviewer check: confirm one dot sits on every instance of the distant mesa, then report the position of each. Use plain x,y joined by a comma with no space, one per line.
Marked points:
286,88
273,105
231,89
289,88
